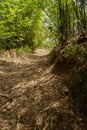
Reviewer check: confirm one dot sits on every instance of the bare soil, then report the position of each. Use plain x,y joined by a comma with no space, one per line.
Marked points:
31,97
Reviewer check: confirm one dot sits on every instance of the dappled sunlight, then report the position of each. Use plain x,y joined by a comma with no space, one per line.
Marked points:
2,73
21,94
23,58
30,94
19,89
43,65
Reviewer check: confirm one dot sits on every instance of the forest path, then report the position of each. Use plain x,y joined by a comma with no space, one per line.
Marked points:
19,73
22,92
31,98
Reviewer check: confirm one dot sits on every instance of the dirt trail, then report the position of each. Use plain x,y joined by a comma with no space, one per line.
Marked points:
19,73
30,96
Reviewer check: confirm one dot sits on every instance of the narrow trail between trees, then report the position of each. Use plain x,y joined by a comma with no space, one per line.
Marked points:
31,98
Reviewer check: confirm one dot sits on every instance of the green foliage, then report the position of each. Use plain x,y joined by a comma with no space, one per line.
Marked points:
66,17
32,22
72,50
76,51
21,24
